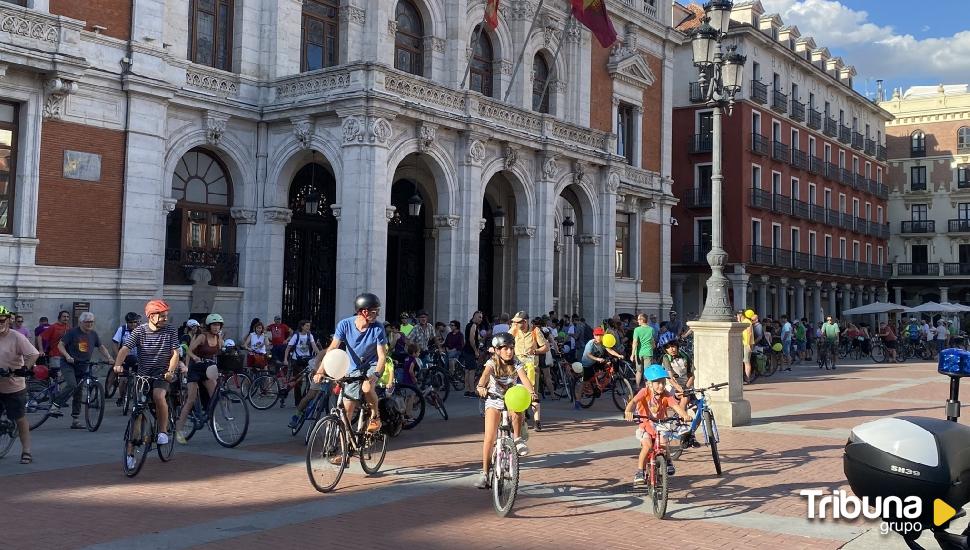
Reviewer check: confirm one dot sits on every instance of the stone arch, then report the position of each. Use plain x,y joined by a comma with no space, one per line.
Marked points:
229,151
290,157
432,16
439,162
502,43
585,194
519,179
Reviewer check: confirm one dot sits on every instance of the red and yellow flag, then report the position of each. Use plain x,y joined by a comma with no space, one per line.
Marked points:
491,13
592,13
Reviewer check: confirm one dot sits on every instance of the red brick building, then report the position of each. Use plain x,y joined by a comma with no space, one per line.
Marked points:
803,162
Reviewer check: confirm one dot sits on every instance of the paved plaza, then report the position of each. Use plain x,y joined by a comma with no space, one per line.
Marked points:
575,493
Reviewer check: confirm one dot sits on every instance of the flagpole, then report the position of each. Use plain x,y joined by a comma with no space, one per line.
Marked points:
555,57
518,62
468,65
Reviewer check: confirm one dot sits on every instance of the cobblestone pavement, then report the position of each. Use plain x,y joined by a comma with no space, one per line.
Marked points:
575,484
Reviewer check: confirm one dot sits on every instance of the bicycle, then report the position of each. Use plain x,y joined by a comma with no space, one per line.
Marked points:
878,351
336,437
504,475
605,379
825,355
429,390
227,415
40,396
656,477
562,377
312,412
272,386
141,431
456,377
9,432
704,419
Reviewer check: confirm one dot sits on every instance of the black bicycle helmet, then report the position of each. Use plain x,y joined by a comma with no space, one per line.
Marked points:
366,301
132,317
503,339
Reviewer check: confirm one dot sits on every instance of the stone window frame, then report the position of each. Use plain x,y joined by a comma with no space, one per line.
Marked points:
206,209
329,23
538,83
963,138
403,36
223,24
10,196
485,68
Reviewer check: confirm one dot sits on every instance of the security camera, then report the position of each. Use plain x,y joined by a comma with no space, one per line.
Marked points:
674,222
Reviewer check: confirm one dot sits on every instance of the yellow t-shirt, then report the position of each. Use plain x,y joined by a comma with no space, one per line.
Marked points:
747,335
525,344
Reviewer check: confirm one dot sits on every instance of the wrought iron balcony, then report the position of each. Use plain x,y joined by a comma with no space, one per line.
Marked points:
832,217
761,199
779,101
701,143
694,254
832,171
861,225
759,92
698,93
816,165
801,209
759,144
910,269
179,264
883,190
845,134
917,152
699,197
817,213
799,159
858,142
797,110
779,151
762,255
959,225
956,268
917,186
880,152
847,177
831,127
918,226
781,204
870,147
801,261
814,119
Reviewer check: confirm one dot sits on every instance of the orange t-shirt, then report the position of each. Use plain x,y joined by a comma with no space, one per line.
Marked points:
653,406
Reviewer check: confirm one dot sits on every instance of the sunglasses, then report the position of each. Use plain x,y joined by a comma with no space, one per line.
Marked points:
503,347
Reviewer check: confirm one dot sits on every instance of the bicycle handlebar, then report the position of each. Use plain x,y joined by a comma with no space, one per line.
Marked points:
22,372
712,387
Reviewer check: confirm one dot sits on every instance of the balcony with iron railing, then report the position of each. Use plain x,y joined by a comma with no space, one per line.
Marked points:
801,209
870,147
911,269
693,254
779,101
917,226
858,142
959,225
761,199
831,127
801,261
180,263
846,177
701,143
859,183
832,171
698,93
699,197
814,119
816,165
779,151
759,144
781,204
797,110
845,134
817,213
951,268
799,160
880,152
759,92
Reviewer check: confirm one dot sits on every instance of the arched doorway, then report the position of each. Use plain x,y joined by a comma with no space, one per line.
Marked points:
497,285
486,262
310,257
405,251
567,287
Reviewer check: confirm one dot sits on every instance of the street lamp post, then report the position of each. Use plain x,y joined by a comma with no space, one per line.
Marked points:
720,77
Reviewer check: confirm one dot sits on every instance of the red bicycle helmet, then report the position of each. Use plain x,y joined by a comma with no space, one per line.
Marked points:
41,372
155,306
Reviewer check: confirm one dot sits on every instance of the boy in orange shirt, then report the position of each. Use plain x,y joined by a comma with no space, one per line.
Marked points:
652,404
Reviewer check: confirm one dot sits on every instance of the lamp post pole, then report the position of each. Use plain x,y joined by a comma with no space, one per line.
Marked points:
717,307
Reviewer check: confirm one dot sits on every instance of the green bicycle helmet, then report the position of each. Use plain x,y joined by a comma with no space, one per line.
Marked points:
4,311
214,318
655,372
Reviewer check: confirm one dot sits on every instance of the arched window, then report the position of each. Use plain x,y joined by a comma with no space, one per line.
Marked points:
321,32
540,75
210,33
481,67
409,39
201,231
917,146
963,138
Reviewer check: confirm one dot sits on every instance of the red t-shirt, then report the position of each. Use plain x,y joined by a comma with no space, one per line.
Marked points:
277,333
652,406
52,336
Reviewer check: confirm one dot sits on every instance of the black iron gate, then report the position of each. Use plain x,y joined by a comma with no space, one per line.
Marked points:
405,254
486,263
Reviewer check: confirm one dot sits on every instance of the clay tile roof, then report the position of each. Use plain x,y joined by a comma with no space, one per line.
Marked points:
693,22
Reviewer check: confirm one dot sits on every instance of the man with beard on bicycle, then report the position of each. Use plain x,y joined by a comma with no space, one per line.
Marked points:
652,404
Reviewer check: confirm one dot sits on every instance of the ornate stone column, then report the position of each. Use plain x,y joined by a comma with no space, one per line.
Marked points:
462,291
859,296
268,291
446,270
898,295
589,291
944,294
816,302
799,299
782,297
248,274
541,262
526,280
832,308
846,296
762,296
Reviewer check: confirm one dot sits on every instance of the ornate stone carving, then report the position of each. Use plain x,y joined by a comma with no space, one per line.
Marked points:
587,239
424,91
446,220
335,209
380,131
613,182
519,9
391,28
524,231
389,212
215,126
199,78
312,85
511,156
277,214
57,90
353,14
581,136
476,152
579,172
353,129
550,168
303,130
243,215
426,135
168,204
507,67
500,240
509,116
434,43
30,27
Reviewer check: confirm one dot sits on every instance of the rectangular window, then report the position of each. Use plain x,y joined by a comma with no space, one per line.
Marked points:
625,141
868,170
828,153
841,158
320,34
704,229
855,207
828,246
841,117
918,212
828,198
811,146
776,236
879,214
755,70
869,211
8,164
868,253
756,122
811,100
842,248
623,245
812,245
855,164
210,33
794,189
963,211
920,254
755,176
878,174
796,240
776,183
776,82
963,177
794,91
756,232
879,257
776,130
917,178
842,203
794,140
828,109
855,251
812,194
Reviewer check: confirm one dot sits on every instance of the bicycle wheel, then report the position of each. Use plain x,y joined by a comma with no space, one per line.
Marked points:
139,436
327,443
8,433
435,399
878,353
166,451
239,382
229,418
39,399
505,477
585,398
93,394
622,392
265,392
658,492
372,451
438,379
413,404
110,384
318,411
710,432
925,353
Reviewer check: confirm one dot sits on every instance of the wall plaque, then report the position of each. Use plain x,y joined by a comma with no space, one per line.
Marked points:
82,166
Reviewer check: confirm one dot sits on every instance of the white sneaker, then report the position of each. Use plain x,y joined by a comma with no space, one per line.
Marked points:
521,447
130,462
162,439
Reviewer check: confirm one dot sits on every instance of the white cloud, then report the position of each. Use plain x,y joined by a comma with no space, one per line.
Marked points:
877,51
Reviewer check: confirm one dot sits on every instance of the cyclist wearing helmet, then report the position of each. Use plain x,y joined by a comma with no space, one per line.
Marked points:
202,367
651,404
365,341
16,353
595,354
132,320
501,372
157,343
679,366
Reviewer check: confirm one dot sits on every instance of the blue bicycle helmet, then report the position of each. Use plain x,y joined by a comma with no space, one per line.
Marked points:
666,338
654,373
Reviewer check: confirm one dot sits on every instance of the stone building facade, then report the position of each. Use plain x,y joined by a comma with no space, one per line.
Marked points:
260,156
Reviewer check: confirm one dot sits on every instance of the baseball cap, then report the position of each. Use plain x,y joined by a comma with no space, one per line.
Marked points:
598,331
520,316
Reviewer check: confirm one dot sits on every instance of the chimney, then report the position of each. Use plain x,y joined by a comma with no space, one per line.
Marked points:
747,13
833,66
788,35
804,47
820,57
879,91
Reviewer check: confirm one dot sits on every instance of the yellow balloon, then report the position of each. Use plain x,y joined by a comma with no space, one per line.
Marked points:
517,399
749,313
609,340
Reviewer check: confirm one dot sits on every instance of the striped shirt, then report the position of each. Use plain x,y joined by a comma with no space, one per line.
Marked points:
155,348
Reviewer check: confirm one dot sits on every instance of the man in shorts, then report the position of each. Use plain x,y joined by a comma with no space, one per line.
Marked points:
17,355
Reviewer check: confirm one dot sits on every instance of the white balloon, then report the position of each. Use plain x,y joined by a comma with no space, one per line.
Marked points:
336,363
577,367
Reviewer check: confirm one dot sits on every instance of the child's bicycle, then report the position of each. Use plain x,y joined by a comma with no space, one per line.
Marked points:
703,418
655,476
504,475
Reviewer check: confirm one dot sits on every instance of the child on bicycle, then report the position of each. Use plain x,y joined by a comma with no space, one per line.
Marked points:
678,365
501,373
652,404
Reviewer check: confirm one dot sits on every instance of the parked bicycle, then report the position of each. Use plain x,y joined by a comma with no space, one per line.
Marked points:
456,377
141,431
335,438
604,380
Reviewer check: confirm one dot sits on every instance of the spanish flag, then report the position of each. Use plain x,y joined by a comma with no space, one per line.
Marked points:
491,13
592,13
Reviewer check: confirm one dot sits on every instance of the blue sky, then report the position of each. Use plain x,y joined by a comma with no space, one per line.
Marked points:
904,43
